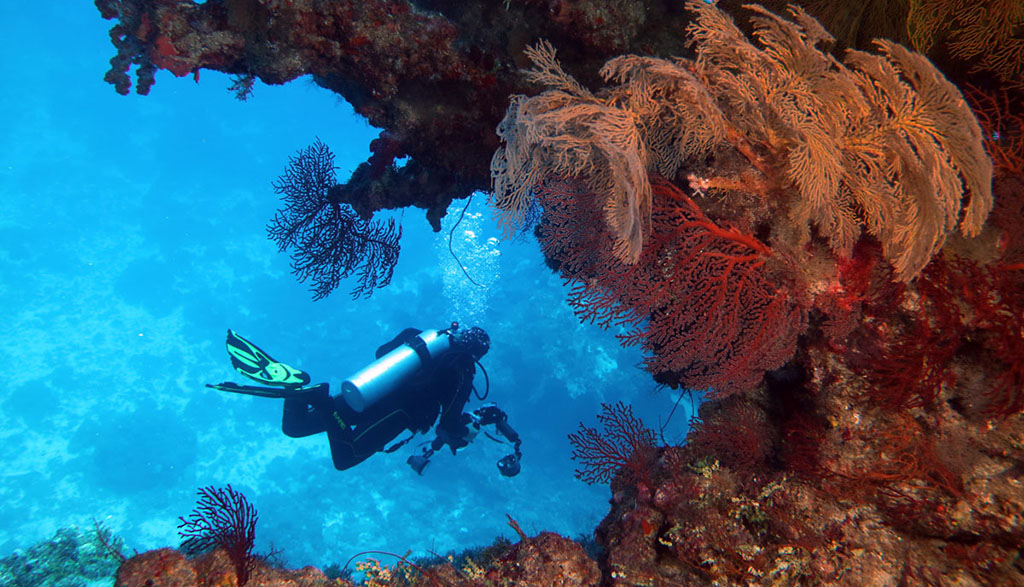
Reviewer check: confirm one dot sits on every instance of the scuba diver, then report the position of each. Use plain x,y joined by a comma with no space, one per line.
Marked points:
416,376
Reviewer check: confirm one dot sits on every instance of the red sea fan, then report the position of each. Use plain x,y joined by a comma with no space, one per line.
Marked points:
625,443
699,299
964,313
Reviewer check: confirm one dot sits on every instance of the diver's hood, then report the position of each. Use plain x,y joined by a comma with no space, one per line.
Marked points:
474,341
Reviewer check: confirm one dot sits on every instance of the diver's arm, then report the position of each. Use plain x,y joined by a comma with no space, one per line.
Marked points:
508,432
492,414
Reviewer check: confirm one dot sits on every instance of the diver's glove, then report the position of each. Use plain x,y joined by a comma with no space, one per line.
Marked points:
252,362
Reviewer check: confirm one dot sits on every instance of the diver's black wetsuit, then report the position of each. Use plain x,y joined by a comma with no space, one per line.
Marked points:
442,385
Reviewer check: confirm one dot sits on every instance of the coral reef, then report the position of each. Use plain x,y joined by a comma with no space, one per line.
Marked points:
436,74
547,560
888,450
830,242
169,568
72,557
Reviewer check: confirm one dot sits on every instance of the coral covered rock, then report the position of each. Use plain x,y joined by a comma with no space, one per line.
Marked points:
165,566
435,74
547,559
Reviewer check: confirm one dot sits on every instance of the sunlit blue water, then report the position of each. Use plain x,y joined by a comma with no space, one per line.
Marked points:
132,236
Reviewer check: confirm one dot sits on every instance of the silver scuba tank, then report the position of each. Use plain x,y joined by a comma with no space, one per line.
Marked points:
376,380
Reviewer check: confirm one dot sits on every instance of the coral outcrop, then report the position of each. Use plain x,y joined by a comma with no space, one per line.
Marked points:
547,560
73,556
169,568
435,74
830,242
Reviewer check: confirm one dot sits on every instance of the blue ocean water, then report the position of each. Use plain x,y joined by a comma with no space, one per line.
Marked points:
132,235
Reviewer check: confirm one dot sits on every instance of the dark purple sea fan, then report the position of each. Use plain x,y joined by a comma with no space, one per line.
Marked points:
328,240
223,518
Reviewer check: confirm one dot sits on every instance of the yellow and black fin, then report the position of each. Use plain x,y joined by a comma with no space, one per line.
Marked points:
249,360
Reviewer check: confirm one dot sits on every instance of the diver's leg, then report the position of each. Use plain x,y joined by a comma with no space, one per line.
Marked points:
349,447
303,411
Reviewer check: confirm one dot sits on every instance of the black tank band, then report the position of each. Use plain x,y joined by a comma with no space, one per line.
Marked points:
420,347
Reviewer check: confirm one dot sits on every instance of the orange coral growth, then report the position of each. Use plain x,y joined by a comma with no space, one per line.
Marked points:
879,143
987,33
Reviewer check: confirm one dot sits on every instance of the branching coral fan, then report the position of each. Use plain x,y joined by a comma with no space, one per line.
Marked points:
698,298
223,518
329,240
988,33
625,443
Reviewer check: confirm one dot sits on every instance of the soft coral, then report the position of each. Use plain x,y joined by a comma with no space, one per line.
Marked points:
701,297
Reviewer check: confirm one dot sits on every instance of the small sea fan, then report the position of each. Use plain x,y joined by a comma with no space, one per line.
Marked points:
223,518
329,241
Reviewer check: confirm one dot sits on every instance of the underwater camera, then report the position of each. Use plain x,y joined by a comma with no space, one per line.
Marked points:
508,466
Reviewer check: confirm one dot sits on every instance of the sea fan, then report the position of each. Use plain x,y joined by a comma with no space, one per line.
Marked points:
329,241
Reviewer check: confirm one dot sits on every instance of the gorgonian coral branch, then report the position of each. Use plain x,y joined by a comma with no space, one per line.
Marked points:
223,518
624,442
329,242
699,298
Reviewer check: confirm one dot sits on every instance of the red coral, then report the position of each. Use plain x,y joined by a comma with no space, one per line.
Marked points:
909,370
906,468
625,443
996,298
1000,118
861,280
960,307
698,299
735,432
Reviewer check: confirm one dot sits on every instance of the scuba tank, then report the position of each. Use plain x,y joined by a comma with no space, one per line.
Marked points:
375,381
